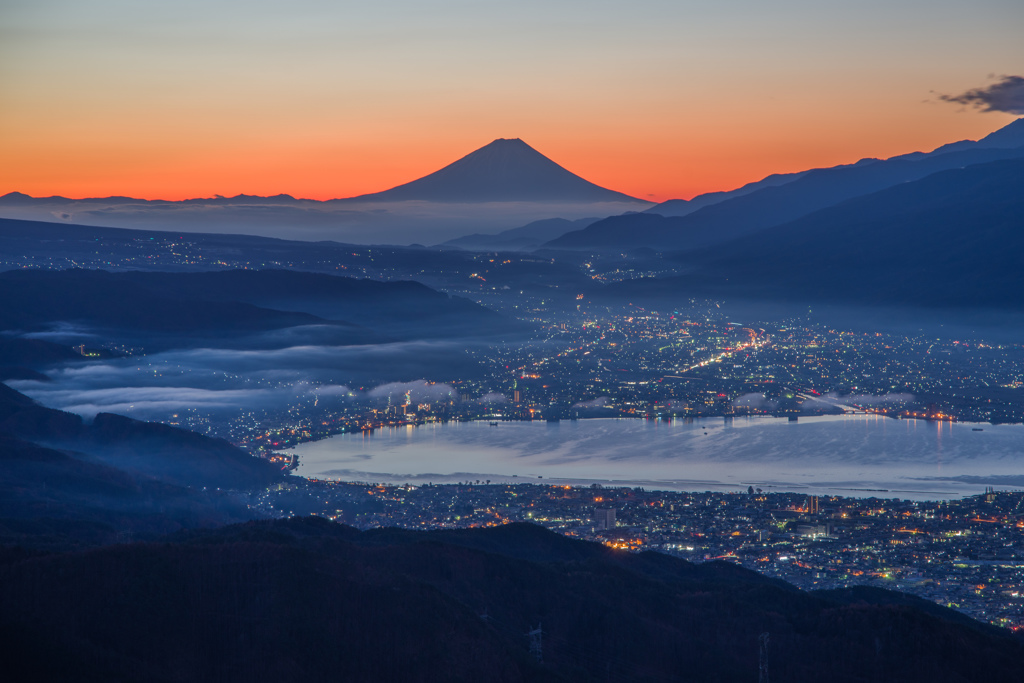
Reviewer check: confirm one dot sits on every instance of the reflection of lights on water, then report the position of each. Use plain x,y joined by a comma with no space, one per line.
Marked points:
676,455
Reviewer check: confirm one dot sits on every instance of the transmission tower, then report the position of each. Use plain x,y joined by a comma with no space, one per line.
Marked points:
762,667
535,642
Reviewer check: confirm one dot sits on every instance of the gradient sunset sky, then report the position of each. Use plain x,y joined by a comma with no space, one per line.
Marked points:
323,99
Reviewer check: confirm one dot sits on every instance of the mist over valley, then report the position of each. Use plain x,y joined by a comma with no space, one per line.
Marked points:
259,403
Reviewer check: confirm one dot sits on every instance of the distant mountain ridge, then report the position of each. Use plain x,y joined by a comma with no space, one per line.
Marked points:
951,239
36,298
506,170
22,199
48,245
500,186
237,301
684,207
399,307
1007,137
800,195
530,235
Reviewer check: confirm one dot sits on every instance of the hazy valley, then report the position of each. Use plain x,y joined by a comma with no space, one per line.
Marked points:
162,360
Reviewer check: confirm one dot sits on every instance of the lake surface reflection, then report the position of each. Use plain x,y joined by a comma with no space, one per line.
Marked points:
852,455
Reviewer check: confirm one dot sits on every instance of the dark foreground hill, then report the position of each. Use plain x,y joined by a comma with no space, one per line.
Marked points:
308,600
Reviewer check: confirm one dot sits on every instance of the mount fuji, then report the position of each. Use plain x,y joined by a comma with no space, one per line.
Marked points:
506,170
503,185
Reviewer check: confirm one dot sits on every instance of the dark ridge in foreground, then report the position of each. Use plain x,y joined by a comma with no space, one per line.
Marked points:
308,600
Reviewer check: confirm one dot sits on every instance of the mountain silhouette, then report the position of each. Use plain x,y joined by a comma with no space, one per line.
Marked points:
141,449
770,205
175,306
952,239
307,600
530,235
1008,137
503,185
506,170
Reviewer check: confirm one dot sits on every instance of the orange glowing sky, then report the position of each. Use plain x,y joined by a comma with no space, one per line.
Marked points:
324,99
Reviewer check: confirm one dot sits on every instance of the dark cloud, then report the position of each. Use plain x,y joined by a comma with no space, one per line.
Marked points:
1006,95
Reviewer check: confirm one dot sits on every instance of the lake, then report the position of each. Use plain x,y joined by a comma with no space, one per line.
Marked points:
851,455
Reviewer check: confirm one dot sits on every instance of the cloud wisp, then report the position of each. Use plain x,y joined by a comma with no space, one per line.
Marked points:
598,402
833,399
227,381
755,401
419,391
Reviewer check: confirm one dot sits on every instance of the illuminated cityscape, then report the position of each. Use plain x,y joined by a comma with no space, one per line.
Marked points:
564,341
651,365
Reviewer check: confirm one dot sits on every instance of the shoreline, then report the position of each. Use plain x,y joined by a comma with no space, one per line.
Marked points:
846,477
320,436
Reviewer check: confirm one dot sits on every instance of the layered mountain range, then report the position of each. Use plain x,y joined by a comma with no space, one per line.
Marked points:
183,309
820,216
717,218
308,600
936,230
954,239
66,482
502,185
